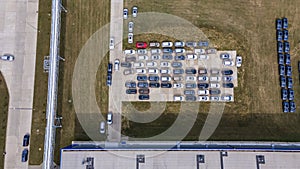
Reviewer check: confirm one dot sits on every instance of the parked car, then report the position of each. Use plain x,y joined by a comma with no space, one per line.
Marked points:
117,64
125,13
165,78
165,71
291,94
179,44
190,85
178,98
154,44
142,51
282,81
177,78
129,52
285,35
285,106
143,84
239,61
178,71
203,78
155,51
166,44
167,57
281,70
191,44
134,11
279,47
289,83
203,98
178,85
109,118
102,127
141,45
151,64
144,97
26,140
228,63
191,56
203,57
279,35
143,57
287,59
131,91
214,91
112,43
189,92
286,47
130,27
144,91
203,92
228,85
176,64
153,78
179,50
165,64
289,71
284,94
141,71
153,71
155,57
109,80
214,98
227,98
24,157
203,43
130,58
127,71
214,71
167,50
126,64
166,85
280,59
190,98
227,78
180,57
141,78
278,24
190,78
215,78
109,68
285,23
211,51
130,37
154,85
130,84
225,56
190,71
227,72
292,107
203,85
214,85
138,64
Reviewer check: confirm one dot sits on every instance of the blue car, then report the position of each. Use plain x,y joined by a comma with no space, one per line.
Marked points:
289,71
227,72
287,59
282,81
144,97
24,155
130,84
279,35
228,85
285,35
26,140
203,43
292,107
143,85
203,85
109,68
141,78
291,94
153,78
289,83
180,57
166,85
109,80
284,94
281,70
154,85
286,47
190,71
285,106
167,50
278,24
285,23
280,59
131,91
279,47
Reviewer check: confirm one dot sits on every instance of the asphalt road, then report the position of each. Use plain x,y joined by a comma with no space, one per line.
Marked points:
18,35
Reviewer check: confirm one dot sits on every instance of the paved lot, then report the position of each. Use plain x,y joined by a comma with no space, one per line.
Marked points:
18,33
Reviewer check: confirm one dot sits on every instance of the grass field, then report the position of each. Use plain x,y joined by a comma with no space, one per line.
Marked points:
249,28
3,117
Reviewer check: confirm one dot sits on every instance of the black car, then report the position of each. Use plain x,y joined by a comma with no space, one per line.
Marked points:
179,57
287,59
130,84
289,82
280,58
279,47
190,71
279,34
285,23
141,78
153,78
214,91
144,91
292,107
26,140
143,85
227,72
109,68
284,94
109,79
131,91
144,97
285,35
281,70
286,47
291,94
282,81
166,85
203,85
154,85
228,85
24,155
288,71
285,106
278,24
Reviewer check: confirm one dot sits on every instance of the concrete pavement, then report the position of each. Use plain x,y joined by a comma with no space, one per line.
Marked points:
18,35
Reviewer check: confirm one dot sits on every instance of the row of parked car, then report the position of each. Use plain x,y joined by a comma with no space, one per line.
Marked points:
24,156
203,98
285,68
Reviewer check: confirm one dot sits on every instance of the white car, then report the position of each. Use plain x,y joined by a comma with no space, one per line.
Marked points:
143,57
178,98
239,61
215,79
190,78
227,98
109,117
203,98
203,78
200,51
179,50
166,44
138,64
177,78
130,27
112,43
165,78
134,11
203,57
214,98
165,71
191,56
153,71
117,64
214,85
178,85
155,57
141,71
125,13
129,52
164,64
7,57
102,127
179,44
154,44
142,51
225,56
203,92
130,37
211,51
155,51
151,64
228,63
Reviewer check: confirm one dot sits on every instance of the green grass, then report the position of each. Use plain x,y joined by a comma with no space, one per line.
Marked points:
3,117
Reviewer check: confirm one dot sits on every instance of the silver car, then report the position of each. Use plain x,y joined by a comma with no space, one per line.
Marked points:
7,57
130,27
130,37
134,11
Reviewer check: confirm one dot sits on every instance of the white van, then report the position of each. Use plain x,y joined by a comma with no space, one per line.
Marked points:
102,127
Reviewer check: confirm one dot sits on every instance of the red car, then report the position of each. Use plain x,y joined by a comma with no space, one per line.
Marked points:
141,45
